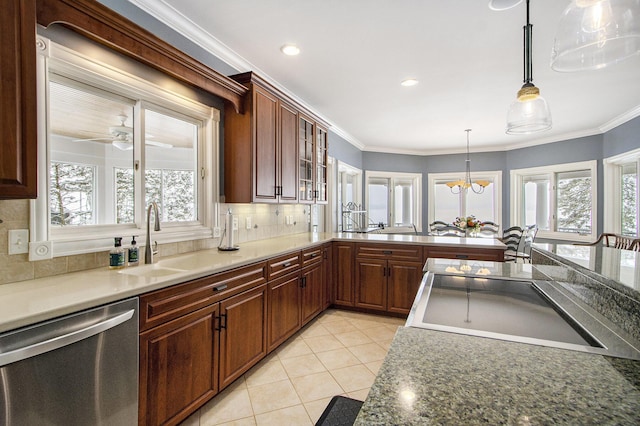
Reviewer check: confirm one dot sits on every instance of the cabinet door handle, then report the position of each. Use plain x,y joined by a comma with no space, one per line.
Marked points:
387,252
303,282
384,272
220,287
462,256
220,324
389,271
286,264
278,190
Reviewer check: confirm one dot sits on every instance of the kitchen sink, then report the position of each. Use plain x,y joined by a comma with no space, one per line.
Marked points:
532,312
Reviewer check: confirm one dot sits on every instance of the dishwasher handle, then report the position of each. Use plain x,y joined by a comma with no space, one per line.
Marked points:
64,339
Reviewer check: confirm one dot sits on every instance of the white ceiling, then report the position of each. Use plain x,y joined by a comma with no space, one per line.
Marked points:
355,53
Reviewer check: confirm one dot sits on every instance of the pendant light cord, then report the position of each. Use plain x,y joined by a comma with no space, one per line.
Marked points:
528,54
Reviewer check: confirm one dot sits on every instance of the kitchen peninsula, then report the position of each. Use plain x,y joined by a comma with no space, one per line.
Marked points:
447,378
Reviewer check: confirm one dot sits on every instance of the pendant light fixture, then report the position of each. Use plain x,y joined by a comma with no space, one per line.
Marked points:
459,186
529,113
593,34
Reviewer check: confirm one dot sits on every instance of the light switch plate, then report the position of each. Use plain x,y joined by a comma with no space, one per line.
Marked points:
216,232
235,223
248,222
18,241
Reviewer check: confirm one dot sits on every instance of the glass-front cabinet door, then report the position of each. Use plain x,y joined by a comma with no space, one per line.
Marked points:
306,160
321,165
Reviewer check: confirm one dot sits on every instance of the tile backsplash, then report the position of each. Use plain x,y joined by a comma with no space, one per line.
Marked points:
266,221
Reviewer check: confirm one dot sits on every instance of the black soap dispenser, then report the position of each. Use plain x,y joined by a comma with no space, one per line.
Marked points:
132,253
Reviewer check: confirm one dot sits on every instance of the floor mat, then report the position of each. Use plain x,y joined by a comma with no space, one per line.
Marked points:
341,411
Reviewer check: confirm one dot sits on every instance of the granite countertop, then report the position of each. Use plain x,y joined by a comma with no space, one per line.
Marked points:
27,302
434,377
438,377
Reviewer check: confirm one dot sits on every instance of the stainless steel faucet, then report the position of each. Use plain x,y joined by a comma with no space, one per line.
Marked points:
148,252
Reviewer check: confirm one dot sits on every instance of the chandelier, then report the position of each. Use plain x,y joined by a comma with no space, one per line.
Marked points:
459,186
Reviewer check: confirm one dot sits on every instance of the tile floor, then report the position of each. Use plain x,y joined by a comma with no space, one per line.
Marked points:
338,353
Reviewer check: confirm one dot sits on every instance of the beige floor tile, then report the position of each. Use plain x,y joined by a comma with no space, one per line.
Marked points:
314,330
316,386
290,416
380,333
374,366
248,421
273,396
329,316
369,352
337,358
295,347
316,408
192,420
303,365
353,338
226,407
365,323
323,343
341,326
353,378
360,395
385,344
272,371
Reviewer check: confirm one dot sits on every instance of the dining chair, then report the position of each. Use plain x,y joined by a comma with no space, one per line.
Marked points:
450,230
528,238
488,229
623,242
512,237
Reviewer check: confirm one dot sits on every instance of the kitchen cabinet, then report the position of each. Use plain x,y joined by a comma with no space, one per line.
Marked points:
178,367
343,273
387,276
311,283
196,338
327,292
243,333
313,161
261,149
295,293
18,165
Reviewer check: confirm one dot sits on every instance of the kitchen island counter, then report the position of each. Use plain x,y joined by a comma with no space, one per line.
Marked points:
434,377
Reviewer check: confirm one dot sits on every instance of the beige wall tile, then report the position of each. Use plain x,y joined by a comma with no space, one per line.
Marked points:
50,267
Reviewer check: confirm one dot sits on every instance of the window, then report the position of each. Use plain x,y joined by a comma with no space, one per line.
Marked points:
621,197
114,143
394,199
559,199
349,197
445,206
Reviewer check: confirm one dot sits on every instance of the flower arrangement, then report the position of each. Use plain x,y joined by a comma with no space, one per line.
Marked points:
469,223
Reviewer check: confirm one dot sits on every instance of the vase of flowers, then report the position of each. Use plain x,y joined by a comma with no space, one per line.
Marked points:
470,224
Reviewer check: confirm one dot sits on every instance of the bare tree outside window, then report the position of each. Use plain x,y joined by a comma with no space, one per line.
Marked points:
71,197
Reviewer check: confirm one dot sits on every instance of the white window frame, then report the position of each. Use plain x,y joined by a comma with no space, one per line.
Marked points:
339,182
416,194
517,198
46,242
494,176
612,221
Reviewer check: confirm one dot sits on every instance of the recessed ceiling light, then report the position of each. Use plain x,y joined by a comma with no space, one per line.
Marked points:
409,82
290,49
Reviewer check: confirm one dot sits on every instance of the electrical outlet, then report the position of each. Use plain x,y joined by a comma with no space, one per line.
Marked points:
248,222
235,223
216,232
18,241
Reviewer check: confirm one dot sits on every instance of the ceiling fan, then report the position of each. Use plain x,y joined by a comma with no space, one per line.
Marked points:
122,137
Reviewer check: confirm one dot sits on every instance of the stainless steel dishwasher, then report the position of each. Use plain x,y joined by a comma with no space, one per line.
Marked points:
81,369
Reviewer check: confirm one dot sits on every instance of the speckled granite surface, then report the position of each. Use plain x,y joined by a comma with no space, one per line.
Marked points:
432,377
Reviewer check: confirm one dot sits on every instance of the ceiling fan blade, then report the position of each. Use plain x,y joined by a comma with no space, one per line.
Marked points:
159,144
91,139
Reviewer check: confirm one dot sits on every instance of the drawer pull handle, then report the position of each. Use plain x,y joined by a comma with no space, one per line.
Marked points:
220,287
286,264
387,252
314,254
462,256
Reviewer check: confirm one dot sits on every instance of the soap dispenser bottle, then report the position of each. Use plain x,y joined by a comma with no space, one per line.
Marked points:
116,255
132,253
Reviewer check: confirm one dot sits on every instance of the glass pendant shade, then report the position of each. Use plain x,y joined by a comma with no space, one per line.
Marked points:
529,113
595,33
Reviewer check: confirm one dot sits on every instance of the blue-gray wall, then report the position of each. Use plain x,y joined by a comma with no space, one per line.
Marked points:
623,138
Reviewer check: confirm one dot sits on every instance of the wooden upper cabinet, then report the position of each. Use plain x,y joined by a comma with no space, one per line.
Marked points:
270,151
18,115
